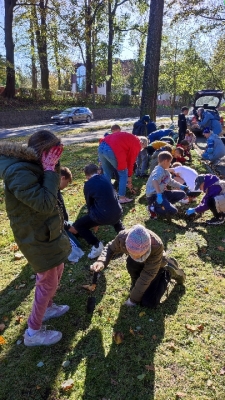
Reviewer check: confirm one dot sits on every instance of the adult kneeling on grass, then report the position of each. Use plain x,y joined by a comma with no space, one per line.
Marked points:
119,151
145,259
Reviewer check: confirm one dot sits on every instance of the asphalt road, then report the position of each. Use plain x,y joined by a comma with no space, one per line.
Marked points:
74,136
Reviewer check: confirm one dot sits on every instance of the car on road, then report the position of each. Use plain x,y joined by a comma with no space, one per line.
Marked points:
210,100
72,115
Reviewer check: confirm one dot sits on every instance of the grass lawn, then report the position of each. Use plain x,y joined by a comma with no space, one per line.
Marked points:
173,352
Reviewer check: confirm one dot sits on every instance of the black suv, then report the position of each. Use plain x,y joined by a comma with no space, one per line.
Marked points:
209,100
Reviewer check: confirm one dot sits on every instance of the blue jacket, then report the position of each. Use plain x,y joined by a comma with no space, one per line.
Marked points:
151,127
211,120
157,135
215,149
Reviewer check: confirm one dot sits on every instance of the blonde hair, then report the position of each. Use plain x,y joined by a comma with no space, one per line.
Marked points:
143,140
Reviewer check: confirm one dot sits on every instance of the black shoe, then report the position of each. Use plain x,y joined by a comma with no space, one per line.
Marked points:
215,221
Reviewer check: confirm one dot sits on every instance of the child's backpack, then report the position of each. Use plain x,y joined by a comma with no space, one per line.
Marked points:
156,289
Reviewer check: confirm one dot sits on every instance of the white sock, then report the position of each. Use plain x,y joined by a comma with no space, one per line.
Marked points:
32,332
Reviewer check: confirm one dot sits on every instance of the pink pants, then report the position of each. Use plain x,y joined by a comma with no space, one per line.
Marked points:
46,286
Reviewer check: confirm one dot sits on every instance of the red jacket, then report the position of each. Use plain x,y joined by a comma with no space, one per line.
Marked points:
126,148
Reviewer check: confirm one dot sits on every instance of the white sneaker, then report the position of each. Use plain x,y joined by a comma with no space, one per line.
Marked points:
42,338
96,251
184,201
55,311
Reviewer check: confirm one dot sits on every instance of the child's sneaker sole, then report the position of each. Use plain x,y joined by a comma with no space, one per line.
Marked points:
42,338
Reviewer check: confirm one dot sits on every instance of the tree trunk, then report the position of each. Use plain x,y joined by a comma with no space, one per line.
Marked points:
9,90
33,58
110,53
41,37
88,26
152,59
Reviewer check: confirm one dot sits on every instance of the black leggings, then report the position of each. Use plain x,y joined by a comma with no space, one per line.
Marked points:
212,207
84,224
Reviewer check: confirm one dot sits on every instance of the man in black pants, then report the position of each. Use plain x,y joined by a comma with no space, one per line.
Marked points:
103,209
182,123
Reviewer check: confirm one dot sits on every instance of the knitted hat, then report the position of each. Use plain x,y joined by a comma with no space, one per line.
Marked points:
138,243
43,141
198,181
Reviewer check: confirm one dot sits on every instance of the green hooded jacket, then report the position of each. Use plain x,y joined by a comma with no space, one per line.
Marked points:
32,208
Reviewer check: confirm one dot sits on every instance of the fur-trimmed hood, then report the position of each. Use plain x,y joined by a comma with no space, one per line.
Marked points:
11,153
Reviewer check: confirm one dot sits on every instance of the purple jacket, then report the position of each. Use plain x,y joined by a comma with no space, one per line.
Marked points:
211,190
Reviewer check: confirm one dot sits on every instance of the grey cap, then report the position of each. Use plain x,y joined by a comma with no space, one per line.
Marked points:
198,181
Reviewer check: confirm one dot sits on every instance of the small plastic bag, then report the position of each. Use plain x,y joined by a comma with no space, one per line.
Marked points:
76,252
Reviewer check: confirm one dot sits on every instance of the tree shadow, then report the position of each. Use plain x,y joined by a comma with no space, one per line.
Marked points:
20,363
126,371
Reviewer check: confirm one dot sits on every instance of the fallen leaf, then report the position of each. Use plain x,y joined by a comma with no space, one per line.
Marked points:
67,385
180,395
206,290
18,256
141,377
150,367
19,319
222,371
194,328
118,337
2,327
91,288
132,332
2,340
154,337
209,383
38,387
171,346
142,313
220,248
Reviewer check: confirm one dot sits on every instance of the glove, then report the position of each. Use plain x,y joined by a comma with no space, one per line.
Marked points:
159,198
184,188
50,159
190,211
129,303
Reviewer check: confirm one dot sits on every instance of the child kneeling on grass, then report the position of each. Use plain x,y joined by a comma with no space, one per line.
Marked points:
103,209
161,200
214,198
146,257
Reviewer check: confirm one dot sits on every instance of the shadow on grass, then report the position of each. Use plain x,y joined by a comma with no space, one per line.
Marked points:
20,377
126,371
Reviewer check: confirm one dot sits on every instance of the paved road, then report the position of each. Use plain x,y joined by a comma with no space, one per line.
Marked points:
74,136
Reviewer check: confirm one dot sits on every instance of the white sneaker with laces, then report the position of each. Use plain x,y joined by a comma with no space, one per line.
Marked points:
42,338
96,251
55,311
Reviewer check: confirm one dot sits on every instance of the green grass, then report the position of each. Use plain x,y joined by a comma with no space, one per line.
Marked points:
180,364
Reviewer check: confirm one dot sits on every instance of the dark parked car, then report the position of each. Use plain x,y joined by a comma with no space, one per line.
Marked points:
208,99
74,114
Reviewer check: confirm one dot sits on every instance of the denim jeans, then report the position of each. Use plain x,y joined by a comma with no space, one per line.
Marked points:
109,163
170,197
142,162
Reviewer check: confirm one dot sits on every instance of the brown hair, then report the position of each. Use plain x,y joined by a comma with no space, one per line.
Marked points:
184,143
143,140
115,128
43,141
168,148
164,155
180,151
64,171
91,169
